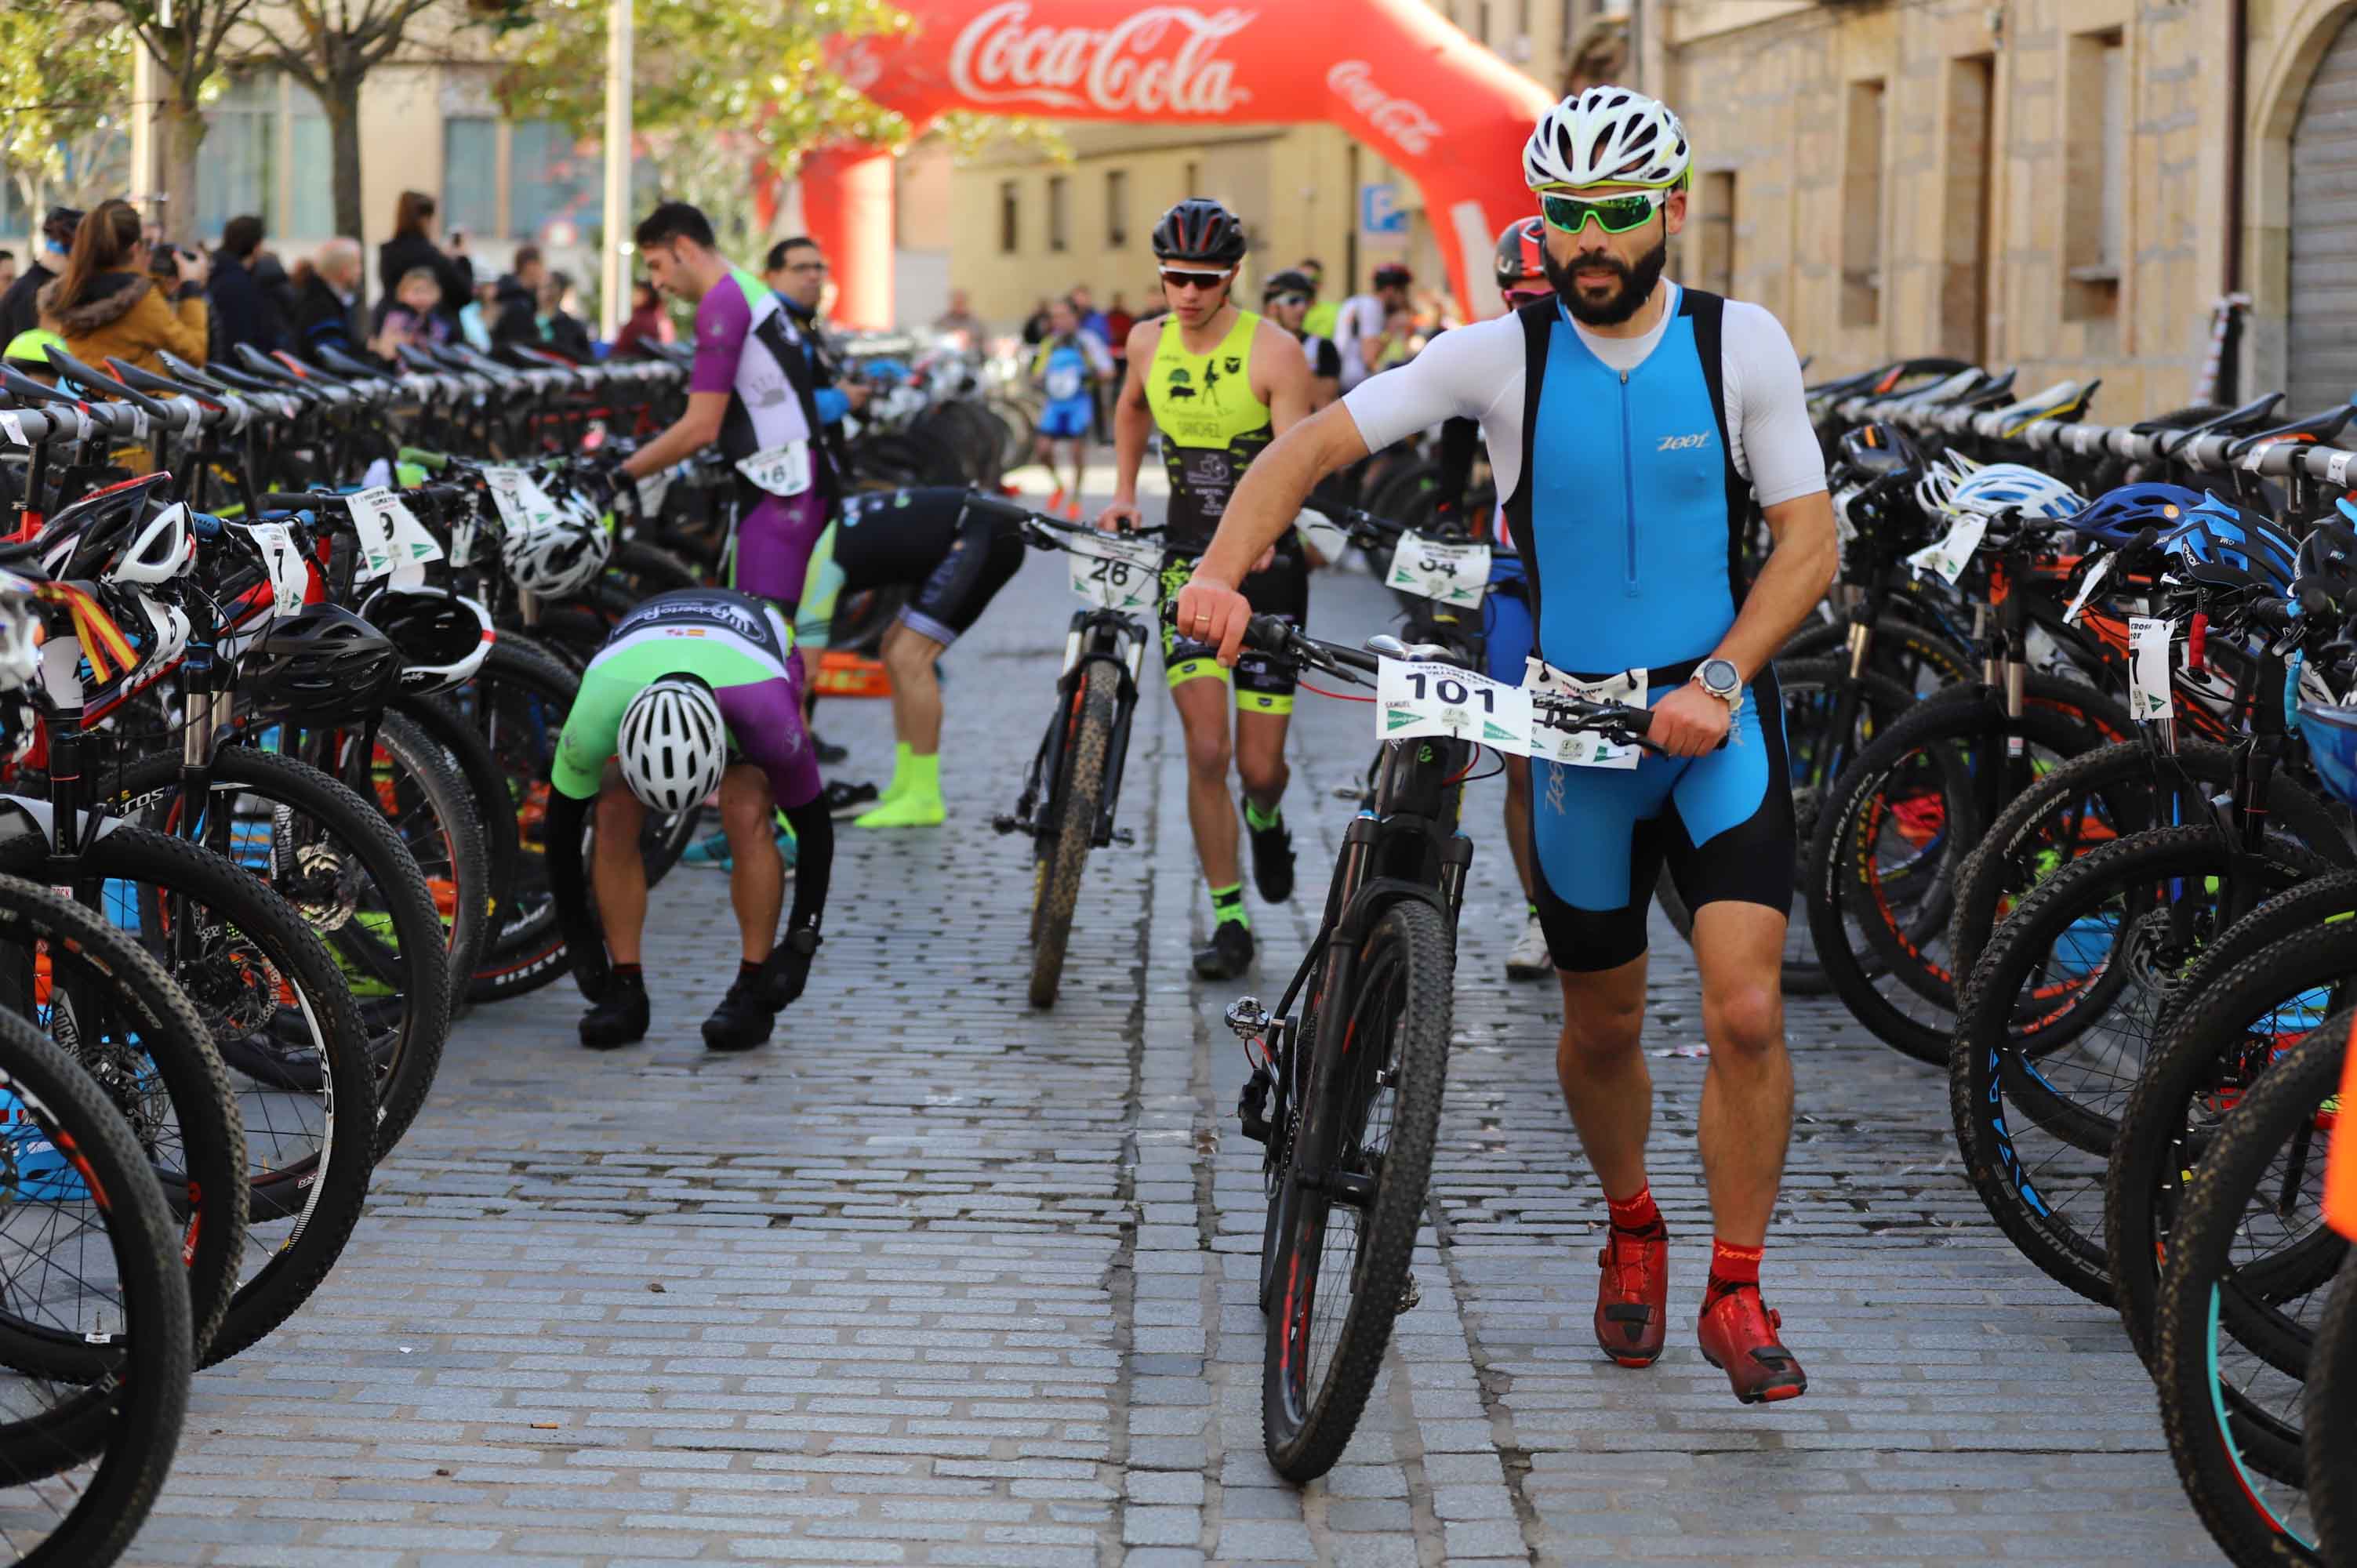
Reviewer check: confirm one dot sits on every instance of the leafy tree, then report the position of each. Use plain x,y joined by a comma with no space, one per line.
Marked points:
65,91
191,43
330,46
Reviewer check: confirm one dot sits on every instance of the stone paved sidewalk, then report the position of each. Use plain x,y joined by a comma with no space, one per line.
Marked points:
937,1279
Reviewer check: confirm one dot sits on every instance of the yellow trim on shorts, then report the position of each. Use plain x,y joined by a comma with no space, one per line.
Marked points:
1195,670
1264,702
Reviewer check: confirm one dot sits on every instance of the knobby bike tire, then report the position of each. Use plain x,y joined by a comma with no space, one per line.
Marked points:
89,965
2330,1424
2128,774
408,1053
2224,1465
2003,1060
1843,883
2216,1042
1305,1428
485,785
131,1423
2329,898
321,1190
1080,796
1896,642
518,701
419,789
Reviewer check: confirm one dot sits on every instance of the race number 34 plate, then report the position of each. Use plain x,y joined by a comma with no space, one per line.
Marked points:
1413,700
1444,573
1115,574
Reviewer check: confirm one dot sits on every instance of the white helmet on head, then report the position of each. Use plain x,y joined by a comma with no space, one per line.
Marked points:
553,554
1607,133
673,746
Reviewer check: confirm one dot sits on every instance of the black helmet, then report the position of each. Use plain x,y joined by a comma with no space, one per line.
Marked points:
1288,282
1522,257
1394,275
321,665
1872,450
1199,229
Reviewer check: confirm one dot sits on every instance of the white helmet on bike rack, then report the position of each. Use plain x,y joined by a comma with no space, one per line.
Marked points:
2014,487
1941,477
20,653
552,556
1608,136
673,746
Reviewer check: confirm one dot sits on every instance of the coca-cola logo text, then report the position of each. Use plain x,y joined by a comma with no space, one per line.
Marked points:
1404,120
1124,68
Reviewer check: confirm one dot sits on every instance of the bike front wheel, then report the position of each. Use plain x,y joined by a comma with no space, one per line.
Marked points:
1358,1170
1088,745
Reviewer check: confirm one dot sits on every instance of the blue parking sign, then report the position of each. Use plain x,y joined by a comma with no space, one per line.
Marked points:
1379,211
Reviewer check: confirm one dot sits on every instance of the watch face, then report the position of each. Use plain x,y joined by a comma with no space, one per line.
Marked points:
1718,676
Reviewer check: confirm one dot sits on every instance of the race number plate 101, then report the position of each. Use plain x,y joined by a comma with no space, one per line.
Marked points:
1412,700
1115,574
1444,573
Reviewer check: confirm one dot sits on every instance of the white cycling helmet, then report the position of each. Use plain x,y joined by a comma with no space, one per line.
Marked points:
554,557
2012,487
1607,133
1941,477
673,746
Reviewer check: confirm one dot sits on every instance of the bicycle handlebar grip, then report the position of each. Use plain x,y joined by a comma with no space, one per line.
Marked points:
1268,634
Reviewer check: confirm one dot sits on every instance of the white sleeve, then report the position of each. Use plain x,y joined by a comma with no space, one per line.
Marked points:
1465,373
1766,411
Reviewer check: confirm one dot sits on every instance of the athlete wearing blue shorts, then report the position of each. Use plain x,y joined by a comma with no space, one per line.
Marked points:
1631,425
1070,362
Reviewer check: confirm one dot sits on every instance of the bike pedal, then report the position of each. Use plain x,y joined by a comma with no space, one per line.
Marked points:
1351,793
1123,837
1010,825
1246,1019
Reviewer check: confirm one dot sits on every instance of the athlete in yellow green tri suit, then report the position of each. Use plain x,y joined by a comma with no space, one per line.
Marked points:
1221,384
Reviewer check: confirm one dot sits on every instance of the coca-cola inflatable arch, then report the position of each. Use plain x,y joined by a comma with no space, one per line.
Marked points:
1427,98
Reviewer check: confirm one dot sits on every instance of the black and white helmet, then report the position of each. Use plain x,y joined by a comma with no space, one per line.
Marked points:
1607,133
673,746
554,553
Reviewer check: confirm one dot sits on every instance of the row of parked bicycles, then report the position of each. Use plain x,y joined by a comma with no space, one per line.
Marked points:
285,649
2074,765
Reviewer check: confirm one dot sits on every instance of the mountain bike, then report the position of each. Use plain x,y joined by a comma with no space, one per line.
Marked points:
1072,788
1345,1099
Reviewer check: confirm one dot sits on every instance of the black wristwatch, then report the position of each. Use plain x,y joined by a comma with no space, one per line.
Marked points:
1721,680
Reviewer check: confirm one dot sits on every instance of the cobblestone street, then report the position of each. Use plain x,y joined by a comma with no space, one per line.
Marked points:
937,1279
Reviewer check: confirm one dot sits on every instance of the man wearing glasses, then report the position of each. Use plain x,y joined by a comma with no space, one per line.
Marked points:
1286,296
1630,425
1221,384
796,269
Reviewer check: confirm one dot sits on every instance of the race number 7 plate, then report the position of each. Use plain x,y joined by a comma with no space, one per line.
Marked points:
1115,574
1412,700
1444,573
289,577
2148,662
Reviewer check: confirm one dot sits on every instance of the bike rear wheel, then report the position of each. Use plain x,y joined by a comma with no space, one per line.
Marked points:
1360,1167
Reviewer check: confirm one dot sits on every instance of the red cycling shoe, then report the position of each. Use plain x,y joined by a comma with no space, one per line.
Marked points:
1738,1337
1632,1297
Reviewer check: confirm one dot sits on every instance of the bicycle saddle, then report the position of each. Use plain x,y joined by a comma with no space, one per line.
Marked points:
2320,427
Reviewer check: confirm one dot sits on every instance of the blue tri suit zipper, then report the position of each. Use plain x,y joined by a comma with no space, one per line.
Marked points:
1627,488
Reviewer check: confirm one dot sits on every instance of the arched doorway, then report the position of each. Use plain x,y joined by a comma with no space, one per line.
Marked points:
1443,109
2322,335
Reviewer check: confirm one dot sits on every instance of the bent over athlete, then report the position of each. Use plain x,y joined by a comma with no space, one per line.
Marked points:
1220,384
693,691
1629,422
952,550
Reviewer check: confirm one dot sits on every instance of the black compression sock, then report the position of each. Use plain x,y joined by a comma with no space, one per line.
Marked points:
630,974
746,970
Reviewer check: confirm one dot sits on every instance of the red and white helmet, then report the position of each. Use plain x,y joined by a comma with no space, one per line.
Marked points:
1608,133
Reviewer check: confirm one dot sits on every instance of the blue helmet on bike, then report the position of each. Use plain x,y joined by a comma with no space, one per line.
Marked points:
2218,533
2332,732
2117,516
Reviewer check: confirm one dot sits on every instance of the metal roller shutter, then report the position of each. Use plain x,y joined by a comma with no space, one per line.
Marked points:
2324,232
